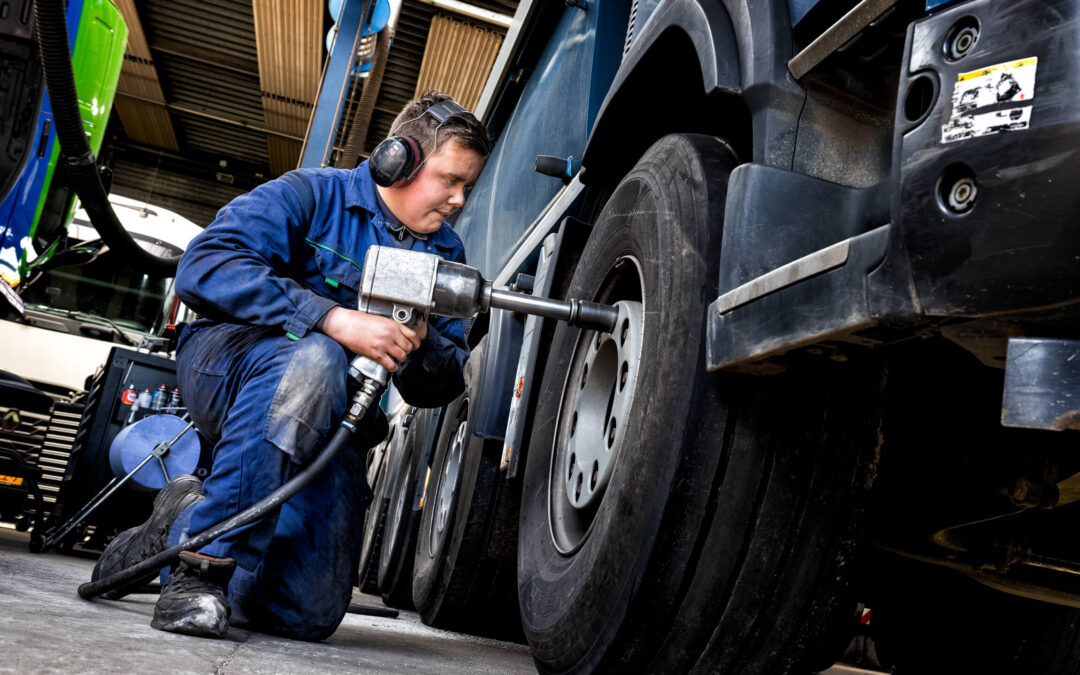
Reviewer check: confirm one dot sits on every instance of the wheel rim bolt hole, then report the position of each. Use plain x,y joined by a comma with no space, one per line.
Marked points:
573,423
573,460
611,432
577,488
584,375
624,332
624,374
595,475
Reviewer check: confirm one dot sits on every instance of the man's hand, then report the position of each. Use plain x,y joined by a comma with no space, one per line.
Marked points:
383,340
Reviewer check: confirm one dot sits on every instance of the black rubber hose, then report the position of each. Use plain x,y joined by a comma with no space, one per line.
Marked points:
132,575
75,154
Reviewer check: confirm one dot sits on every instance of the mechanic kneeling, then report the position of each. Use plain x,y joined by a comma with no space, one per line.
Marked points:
264,373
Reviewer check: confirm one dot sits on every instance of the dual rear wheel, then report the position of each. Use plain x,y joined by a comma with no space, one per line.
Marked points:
672,519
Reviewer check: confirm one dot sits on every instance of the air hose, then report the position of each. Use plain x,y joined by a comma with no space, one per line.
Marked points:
132,575
75,154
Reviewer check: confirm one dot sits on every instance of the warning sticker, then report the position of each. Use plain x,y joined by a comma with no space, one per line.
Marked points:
1009,82
1003,83
982,124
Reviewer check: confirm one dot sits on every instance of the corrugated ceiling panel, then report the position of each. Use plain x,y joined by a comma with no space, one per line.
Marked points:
140,78
222,26
213,90
284,116
284,154
211,137
143,122
289,36
136,42
290,44
146,123
458,58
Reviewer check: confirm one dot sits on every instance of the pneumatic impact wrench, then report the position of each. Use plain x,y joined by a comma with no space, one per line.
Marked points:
406,286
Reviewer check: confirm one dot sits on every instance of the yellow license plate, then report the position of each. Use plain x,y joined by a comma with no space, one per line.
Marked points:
10,480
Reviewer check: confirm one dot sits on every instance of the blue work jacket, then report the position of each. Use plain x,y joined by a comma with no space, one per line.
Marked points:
275,257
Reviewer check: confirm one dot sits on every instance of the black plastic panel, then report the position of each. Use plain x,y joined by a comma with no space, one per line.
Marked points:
774,217
1015,249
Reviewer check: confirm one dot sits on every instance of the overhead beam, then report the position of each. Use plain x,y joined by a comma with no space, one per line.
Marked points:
334,84
472,12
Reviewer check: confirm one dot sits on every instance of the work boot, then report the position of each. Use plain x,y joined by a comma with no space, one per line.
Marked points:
147,540
194,602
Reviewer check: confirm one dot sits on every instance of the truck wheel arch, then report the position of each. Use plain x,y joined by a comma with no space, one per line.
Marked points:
686,53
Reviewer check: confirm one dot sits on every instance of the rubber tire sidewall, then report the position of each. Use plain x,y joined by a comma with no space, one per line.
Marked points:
438,575
399,544
576,610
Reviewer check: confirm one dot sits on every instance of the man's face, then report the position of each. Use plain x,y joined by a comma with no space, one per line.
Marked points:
437,189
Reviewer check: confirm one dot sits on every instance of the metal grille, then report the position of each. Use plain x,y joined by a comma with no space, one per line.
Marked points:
26,439
56,449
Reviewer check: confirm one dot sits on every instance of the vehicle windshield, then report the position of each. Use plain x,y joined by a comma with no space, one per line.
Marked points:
107,289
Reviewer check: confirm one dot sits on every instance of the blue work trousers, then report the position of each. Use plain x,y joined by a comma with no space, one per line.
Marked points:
268,403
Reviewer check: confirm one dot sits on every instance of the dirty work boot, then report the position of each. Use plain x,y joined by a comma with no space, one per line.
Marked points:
144,541
194,602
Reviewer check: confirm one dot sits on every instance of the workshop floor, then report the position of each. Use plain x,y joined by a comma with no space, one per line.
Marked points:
46,627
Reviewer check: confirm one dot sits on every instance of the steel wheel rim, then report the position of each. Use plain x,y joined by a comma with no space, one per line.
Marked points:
595,415
448,479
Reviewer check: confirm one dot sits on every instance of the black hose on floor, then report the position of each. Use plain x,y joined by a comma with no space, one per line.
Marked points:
134,574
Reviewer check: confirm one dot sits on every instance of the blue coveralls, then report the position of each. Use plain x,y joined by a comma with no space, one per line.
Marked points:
267,389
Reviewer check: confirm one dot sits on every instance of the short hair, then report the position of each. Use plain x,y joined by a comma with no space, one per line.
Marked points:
464,128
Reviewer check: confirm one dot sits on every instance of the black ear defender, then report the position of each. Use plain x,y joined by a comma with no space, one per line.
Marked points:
400,157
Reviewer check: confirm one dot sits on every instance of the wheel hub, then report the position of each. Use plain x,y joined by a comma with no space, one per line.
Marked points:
448,480
602,387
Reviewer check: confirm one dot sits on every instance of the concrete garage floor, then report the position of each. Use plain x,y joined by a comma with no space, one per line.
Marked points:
46,627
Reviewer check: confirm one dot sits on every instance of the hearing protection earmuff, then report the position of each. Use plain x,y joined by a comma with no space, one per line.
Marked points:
401,157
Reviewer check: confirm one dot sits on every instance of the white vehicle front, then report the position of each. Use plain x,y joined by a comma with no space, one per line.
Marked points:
74,314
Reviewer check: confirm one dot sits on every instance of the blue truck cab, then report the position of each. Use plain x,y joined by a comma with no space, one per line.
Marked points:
841,238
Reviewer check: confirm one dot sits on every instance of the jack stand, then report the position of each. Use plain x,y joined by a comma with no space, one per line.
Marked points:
45,542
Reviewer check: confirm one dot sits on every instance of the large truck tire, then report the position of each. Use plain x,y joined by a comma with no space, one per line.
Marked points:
374,523
402,522
934,621
674,520
463,571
